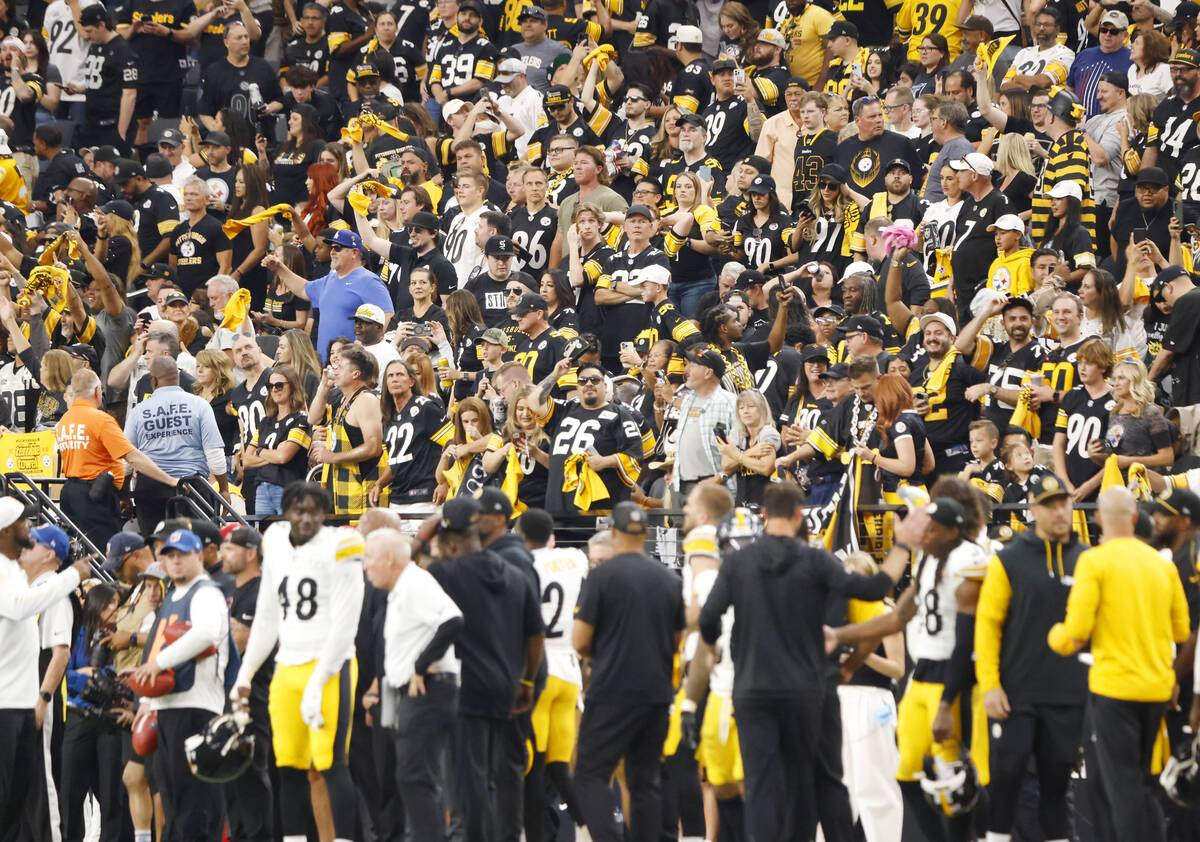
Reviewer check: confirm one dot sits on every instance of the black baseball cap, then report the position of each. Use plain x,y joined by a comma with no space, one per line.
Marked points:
948,512
499,246
1155,175
829,308
472,5
841,27
217,138
839,371
556,94
813,352
899,162
762,184
424,220
709,359
865,324
459,514
689,118
127,169
749,278
160,270
493,501
1046,487
106,154
245,536
722,64
120,207
1178,501
835,172
535,12
640,210
176,298
528,302
1168,274
758,162
630,519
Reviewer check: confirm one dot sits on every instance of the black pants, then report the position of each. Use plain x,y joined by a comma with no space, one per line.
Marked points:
1051,735
150,499
92,764
488,776
422,732
390,809
98,519
780,751
18,750
608,732
1118,745
833,799
248,798
192,807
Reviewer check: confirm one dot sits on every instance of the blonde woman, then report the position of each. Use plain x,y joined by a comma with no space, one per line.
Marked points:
116,241
524,436
665,143
1137,428
296,349
749,454
214,383
55,376
460,470
1016,165
692,275
279,450
825,223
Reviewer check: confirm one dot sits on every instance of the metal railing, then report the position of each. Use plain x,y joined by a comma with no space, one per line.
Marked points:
34,492
196,498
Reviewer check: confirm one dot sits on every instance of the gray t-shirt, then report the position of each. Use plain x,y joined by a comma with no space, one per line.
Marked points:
1103,127
957,147
118,333
692,461
538,60
1138,436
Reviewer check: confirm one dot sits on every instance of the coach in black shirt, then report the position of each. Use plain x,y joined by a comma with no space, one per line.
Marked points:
500,648
780,588
1180,352
628,622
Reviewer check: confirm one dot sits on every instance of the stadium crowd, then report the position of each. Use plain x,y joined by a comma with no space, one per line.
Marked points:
702,420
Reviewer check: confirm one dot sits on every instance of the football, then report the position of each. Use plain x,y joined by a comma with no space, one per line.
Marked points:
145,734
162,684
177,630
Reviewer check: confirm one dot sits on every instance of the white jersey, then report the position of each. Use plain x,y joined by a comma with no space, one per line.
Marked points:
561,570
55,623
931,632
700,542
67,49
315,590
1054,62
461,249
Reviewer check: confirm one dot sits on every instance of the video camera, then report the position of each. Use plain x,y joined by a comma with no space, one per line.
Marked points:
104,691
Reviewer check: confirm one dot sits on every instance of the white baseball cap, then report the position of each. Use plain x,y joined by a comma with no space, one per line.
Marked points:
976,162
11,510
689,35
1008,222
1066,190
654,273
773,37
858,267
510,69
370,313
942,319
452,107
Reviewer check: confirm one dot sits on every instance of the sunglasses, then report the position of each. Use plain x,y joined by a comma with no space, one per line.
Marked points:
1109,30
335,247
829,185
278,386
583,381
515,291
636,99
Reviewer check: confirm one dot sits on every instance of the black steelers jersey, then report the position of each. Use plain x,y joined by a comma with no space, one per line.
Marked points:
438,39
827,236
950,414
637,143
272,434
770,82
692,88
1006,370
1060,373
22,113
540,354
562,185
414,438
658,23
804,410
813,152
708,168
343,24
300,53
166,55
569,31
575,430
666,323
250,401
1082,418
596,262
1187,182
535,234
413,19
778,377
459,63
837,78
1174,124
763,243
108,69
728,125
540,140
623,322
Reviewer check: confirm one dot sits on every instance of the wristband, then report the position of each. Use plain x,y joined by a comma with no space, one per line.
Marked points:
133,639
46,697
896,545
525,682
687,706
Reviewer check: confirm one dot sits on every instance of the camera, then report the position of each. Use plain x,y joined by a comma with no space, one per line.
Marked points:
421,329
103,693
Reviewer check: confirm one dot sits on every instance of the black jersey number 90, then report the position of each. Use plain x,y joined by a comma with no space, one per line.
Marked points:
306,598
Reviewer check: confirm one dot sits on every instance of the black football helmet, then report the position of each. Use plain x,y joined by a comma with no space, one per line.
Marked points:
951,788
738,528
223,750
1064,104
1181,776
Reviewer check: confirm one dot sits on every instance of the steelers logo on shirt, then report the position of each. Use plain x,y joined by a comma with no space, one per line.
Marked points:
187,248
865,167
1001,280
218,188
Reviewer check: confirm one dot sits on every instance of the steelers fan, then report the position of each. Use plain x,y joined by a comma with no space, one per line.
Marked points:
1034,698
309,602
948,571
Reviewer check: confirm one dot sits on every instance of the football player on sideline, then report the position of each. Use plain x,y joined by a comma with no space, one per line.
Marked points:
309,602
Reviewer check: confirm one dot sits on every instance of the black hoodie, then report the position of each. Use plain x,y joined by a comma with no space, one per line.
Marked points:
501,612
780,589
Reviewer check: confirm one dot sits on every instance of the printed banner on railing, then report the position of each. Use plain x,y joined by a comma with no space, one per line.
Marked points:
33,454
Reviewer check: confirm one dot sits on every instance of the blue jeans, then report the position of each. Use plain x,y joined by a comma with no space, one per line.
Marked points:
686,296
268,499
434,108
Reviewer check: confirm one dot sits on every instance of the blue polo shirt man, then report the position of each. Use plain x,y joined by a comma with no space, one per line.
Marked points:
178,432
338,295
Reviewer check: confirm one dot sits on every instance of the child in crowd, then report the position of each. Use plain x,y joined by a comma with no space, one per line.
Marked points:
985,471
1021,473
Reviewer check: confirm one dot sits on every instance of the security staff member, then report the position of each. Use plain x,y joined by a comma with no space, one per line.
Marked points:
1122,586
501,650
1030,693
420,686
779,588
91,446
192,807
19,606
629,621
179,432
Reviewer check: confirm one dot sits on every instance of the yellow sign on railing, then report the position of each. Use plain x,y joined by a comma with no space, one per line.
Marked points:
33,454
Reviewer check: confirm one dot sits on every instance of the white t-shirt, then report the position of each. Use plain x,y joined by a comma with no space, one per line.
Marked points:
461,249
67,50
